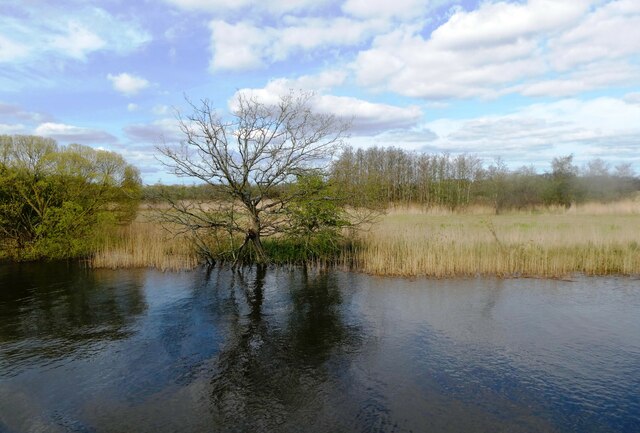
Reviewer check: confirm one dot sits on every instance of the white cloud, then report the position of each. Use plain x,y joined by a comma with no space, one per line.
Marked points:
320,82
366,118
537,48
237,46
77,41
39,32
602,127
12,129
535,134
132,107
246,46
589,77
128,84
404,62
609,32
502,23
76,134
271,93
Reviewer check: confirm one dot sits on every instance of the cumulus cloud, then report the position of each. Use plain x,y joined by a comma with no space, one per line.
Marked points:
366,118
244,45
128,84
320,82
76,134
237,46
536,48
609,32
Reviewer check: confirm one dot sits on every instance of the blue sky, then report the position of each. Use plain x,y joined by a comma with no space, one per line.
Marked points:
523,80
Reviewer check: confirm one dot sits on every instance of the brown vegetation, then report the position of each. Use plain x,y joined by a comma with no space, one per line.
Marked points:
557,243
144,243
593,239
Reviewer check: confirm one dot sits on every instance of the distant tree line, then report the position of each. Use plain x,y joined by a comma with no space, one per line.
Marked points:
392,175
57,201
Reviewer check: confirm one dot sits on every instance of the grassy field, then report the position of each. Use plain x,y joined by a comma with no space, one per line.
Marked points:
592,239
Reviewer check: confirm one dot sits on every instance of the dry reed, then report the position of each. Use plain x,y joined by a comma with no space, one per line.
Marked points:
591,239
145,244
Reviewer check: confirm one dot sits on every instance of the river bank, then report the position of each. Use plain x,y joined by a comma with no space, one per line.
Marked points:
591,239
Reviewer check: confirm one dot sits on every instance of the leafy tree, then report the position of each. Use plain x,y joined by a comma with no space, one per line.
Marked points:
563,188
56,201
250,157
497,177
316,216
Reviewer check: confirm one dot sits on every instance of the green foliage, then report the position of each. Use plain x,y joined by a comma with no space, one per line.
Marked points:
316,207
56,202
562,188
324,247
315,219
386,176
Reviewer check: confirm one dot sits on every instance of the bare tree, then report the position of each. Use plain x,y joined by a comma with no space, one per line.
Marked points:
249,157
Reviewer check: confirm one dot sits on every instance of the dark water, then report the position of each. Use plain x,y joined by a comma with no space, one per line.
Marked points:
288,351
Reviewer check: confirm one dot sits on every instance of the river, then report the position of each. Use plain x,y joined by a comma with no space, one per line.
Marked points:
280,350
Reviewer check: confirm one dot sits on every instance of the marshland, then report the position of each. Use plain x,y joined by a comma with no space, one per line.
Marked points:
382,211
273,296
590,239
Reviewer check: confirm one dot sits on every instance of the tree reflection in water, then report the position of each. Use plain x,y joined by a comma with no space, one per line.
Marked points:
60,310
271,371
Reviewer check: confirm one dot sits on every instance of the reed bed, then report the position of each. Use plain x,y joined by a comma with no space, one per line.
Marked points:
145,243
592,239
504,245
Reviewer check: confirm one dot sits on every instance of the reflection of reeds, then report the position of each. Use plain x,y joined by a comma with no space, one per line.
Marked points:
593,239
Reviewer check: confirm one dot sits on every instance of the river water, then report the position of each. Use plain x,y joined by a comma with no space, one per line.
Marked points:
290,351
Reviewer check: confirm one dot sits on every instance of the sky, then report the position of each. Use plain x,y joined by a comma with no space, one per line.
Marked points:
525,81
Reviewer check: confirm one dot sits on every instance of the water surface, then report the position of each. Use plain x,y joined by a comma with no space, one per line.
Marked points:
288,351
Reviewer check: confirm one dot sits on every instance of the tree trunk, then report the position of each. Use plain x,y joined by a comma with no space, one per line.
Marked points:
254,237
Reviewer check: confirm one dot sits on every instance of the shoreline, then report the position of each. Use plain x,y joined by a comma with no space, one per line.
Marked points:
413,242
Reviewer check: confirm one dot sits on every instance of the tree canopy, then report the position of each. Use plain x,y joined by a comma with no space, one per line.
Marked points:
53,198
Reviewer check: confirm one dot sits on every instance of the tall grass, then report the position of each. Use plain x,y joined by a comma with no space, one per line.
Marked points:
592,239
145,243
